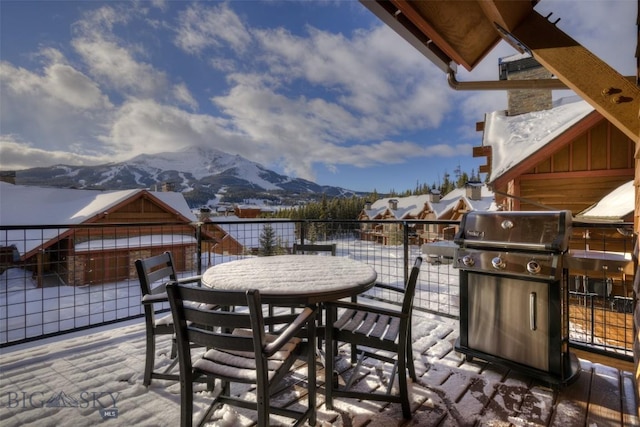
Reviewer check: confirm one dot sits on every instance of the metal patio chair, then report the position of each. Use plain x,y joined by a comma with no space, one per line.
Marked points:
314,248
239,350
373,332
154,273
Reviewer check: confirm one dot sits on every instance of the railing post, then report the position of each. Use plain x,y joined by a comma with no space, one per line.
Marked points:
405,243
303,228
199,247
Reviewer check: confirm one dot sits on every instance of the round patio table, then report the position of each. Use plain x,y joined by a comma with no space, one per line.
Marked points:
294,279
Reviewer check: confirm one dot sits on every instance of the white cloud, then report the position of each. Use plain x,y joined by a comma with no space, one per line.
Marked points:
117,67
111,60
182,94
202,27
373,73
293,100
17,155
606,28
59,108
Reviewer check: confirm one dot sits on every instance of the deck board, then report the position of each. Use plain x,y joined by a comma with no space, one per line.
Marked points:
450,391
629,402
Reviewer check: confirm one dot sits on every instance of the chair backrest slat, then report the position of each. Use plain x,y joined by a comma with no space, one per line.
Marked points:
313,248
158,268
216,318
161,274
212,327
218,340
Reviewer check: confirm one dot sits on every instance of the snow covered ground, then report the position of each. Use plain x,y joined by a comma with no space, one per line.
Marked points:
32,312
95,377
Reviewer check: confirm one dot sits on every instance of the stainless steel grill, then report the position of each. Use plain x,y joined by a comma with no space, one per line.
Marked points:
513,297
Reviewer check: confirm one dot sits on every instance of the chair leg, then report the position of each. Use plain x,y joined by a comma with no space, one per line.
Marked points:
174,348
404,388
329,358
311,378
412,367
354,371
186,402
410,363
150,358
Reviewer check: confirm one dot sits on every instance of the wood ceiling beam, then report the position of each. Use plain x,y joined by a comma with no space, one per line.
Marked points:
610,93
506,13
459,28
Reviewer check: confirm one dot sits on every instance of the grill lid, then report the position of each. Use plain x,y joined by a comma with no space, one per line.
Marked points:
519,230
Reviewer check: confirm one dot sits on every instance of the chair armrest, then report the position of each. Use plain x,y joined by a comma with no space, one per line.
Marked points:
154,298
389,288
364,307
291,330
190,279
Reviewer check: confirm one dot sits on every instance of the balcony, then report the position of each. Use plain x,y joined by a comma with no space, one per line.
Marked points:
41,314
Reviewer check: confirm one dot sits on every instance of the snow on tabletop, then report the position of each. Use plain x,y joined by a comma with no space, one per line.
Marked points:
285,273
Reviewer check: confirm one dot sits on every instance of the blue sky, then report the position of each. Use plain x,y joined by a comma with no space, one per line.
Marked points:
321,90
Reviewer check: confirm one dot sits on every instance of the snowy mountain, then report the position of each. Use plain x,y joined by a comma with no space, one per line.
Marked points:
202,175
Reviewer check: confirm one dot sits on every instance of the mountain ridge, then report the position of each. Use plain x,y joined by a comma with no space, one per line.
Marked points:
204,176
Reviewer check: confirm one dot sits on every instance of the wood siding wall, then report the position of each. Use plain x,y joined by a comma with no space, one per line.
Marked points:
575,192
580,173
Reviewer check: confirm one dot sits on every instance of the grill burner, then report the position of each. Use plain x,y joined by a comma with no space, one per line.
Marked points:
513,296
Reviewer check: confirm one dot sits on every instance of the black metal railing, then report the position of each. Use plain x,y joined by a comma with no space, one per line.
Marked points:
58,279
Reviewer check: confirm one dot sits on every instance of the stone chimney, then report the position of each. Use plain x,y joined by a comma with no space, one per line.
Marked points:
434,196
367,205
168,187
524,67
393,204
473,190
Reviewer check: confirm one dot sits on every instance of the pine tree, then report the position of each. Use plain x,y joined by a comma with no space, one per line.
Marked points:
268,242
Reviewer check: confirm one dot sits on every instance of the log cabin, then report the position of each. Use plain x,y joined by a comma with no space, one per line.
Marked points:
92,243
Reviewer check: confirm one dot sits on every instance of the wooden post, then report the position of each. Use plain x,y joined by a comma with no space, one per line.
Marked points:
610,93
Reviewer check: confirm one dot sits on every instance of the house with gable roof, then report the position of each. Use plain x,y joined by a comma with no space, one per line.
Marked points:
474,196
85,239
563,155
386,232
544,154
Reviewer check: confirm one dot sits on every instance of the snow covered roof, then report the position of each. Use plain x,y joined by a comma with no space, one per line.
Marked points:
515,138
448,202
406,206
411,206
28,205
615,205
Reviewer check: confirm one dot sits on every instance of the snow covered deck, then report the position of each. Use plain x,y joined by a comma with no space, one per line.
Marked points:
96,377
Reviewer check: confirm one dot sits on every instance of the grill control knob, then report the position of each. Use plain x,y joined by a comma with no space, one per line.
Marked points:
468,261
533,267
498,263
506,224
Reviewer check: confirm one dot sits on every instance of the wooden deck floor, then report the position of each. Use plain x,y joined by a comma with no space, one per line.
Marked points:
453,392
450,391
610,327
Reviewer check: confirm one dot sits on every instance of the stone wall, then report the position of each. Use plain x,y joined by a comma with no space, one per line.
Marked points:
525,100
528,100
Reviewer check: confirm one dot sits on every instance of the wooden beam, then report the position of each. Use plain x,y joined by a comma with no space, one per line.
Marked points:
506,13
481,151
615,97
459,28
